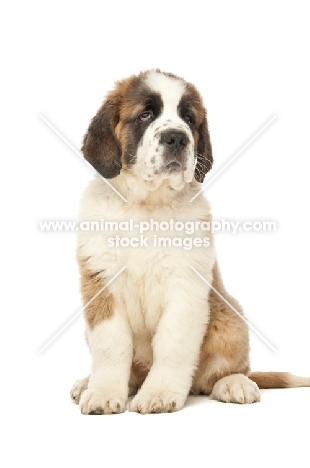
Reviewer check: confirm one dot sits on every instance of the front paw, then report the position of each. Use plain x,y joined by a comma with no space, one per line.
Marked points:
157,401
98,401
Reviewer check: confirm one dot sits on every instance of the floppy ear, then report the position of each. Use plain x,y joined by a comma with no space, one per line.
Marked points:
204,152
100,145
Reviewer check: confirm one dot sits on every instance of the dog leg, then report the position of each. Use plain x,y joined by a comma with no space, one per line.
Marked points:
225,350
176,346
110,345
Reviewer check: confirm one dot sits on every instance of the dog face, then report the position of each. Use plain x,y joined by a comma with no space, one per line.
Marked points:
153,125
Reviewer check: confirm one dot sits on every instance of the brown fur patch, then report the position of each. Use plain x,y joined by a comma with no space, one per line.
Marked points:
278,380
137,376
225,349
102,306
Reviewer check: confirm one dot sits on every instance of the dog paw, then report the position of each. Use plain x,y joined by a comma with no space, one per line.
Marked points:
236,388
78,388
156,402
97,401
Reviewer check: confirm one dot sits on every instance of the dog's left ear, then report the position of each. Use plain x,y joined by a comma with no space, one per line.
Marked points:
204,152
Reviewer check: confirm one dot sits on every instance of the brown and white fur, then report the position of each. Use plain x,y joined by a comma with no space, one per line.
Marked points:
157,331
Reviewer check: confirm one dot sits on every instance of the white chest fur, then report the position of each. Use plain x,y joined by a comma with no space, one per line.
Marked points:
152,272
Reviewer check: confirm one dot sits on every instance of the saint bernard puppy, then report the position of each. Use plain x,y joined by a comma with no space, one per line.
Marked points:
157,330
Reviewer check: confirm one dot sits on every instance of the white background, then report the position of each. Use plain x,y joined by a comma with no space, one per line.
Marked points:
250,62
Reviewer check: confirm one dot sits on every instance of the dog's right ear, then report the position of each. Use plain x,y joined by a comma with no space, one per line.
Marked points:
100,145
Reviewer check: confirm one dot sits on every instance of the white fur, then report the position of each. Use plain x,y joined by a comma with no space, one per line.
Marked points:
150,152
176,345
170,89
78,388
236,388
110,345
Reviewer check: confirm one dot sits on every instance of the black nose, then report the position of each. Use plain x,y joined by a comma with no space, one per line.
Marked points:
174,139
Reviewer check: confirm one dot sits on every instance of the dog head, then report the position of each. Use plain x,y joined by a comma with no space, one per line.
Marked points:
153,125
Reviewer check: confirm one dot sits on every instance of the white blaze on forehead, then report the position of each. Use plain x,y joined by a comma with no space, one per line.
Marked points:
170,89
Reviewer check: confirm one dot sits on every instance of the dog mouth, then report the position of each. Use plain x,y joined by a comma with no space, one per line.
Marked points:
174,172
173,166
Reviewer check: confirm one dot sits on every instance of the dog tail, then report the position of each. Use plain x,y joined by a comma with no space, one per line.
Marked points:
278,380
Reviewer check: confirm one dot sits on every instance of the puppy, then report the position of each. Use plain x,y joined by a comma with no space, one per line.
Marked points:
155,329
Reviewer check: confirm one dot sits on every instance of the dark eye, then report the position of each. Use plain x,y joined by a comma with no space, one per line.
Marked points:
146,115
189,119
